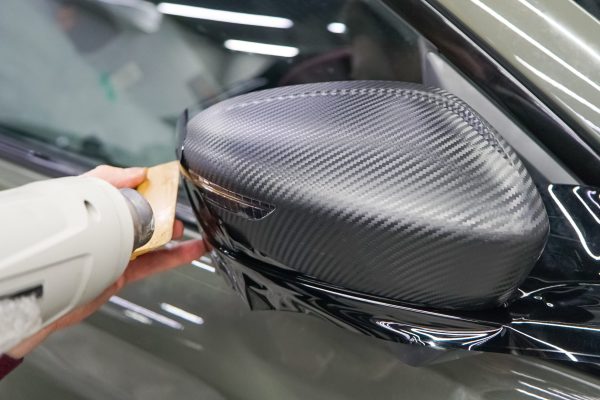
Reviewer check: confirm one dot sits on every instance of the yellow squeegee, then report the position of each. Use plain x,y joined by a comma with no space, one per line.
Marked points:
160,189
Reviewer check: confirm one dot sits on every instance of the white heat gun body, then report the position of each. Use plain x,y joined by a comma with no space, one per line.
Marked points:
62,242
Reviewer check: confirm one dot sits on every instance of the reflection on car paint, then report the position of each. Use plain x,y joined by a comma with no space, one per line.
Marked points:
188,316
204,265
143,311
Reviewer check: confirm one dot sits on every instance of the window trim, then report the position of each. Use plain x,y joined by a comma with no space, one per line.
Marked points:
502,84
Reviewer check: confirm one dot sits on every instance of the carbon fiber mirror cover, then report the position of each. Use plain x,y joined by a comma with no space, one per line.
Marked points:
385,188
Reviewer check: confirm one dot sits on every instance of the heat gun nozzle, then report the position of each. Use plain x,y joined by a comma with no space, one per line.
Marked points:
142,216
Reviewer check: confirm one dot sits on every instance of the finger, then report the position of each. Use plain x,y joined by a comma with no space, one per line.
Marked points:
177,230
119,177
164,259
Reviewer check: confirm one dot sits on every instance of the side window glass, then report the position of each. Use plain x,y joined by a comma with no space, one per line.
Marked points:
109,79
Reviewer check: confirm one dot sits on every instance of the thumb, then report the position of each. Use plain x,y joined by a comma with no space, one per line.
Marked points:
119,177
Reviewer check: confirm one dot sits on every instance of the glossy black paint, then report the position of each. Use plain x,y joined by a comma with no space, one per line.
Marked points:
555,314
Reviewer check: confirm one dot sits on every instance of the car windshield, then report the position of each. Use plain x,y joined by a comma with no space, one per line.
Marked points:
108,79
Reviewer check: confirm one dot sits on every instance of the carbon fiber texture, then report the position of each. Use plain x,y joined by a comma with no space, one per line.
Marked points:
386,188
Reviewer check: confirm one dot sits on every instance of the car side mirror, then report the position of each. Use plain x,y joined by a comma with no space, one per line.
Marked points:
388,189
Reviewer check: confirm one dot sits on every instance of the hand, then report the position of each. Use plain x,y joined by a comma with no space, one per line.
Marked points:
142,267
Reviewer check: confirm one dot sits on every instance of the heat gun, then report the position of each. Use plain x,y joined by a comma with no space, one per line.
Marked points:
65,240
